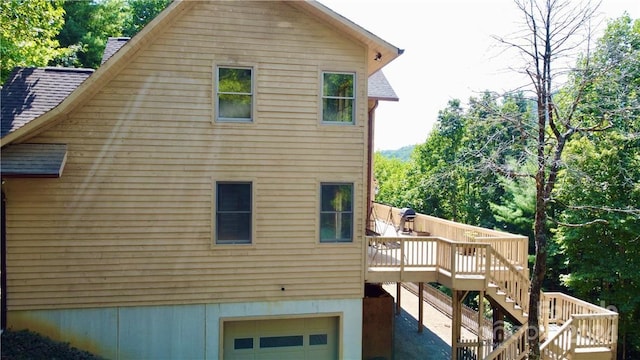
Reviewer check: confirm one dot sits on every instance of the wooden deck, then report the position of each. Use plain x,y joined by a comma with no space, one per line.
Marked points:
432,259
468,258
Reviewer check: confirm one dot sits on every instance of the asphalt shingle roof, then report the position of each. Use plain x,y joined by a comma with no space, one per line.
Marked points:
379,87
31,92
33,160
113,45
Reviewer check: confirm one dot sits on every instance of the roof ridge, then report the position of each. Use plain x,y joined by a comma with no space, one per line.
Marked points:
66,69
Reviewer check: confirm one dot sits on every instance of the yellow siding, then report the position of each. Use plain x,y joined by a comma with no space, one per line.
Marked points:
129,222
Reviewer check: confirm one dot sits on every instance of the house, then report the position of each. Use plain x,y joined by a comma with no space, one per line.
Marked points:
204,193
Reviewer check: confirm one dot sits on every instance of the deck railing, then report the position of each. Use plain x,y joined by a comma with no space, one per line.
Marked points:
429,252
499,258
454,258
583,325
512,247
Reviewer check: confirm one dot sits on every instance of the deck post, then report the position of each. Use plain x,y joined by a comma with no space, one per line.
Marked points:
420,306
456,319
398,288
480,324
498,325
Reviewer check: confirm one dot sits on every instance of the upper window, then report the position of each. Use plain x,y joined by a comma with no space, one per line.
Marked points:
338,97
234,94
233,213
336,212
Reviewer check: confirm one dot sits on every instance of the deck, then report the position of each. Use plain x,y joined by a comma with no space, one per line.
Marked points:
467,258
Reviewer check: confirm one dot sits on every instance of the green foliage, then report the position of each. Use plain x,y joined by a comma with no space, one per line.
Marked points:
88,25
603,257
402,154
140,13
434,175
389,175
514,211
28,33
477,166
67,32
603,171
445,176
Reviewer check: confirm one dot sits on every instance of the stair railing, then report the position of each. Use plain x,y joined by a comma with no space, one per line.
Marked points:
509,279
513,348
560,345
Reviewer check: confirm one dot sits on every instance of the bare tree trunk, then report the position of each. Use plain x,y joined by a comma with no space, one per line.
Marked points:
540,236
552,32
539,269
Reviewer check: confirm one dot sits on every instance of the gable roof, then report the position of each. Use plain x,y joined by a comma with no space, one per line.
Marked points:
380,54
31,92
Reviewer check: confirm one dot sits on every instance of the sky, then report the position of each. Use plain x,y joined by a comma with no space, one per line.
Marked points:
449,53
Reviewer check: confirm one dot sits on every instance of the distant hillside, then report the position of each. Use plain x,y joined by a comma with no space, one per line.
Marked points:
404,153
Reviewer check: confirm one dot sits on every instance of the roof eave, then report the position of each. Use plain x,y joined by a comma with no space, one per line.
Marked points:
379,52
382,98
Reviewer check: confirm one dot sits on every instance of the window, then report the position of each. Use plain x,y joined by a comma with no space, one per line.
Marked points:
243,343
336,212
233,213
318,339
281,341
338,97
234,94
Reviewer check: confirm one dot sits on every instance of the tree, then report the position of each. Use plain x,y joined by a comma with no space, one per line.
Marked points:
434,177
554,33
603,170
603,256
443,178
389,175
88,25
28,33
140,13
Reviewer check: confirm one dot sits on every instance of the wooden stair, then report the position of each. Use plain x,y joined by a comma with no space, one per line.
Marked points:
467,258
509,305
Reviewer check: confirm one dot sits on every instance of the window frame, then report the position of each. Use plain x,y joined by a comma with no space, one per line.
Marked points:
353,98
215,212
352,211
216,93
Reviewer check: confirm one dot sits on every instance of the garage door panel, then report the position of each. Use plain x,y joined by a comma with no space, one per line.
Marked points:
303,338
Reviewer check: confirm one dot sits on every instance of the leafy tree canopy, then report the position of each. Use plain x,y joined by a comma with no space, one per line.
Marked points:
28,33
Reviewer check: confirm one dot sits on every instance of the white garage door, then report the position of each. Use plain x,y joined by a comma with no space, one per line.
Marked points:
279,339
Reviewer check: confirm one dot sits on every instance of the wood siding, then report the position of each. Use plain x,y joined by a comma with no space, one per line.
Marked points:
130,221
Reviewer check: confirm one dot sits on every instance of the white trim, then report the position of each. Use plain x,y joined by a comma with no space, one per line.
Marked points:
354,106
215,98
